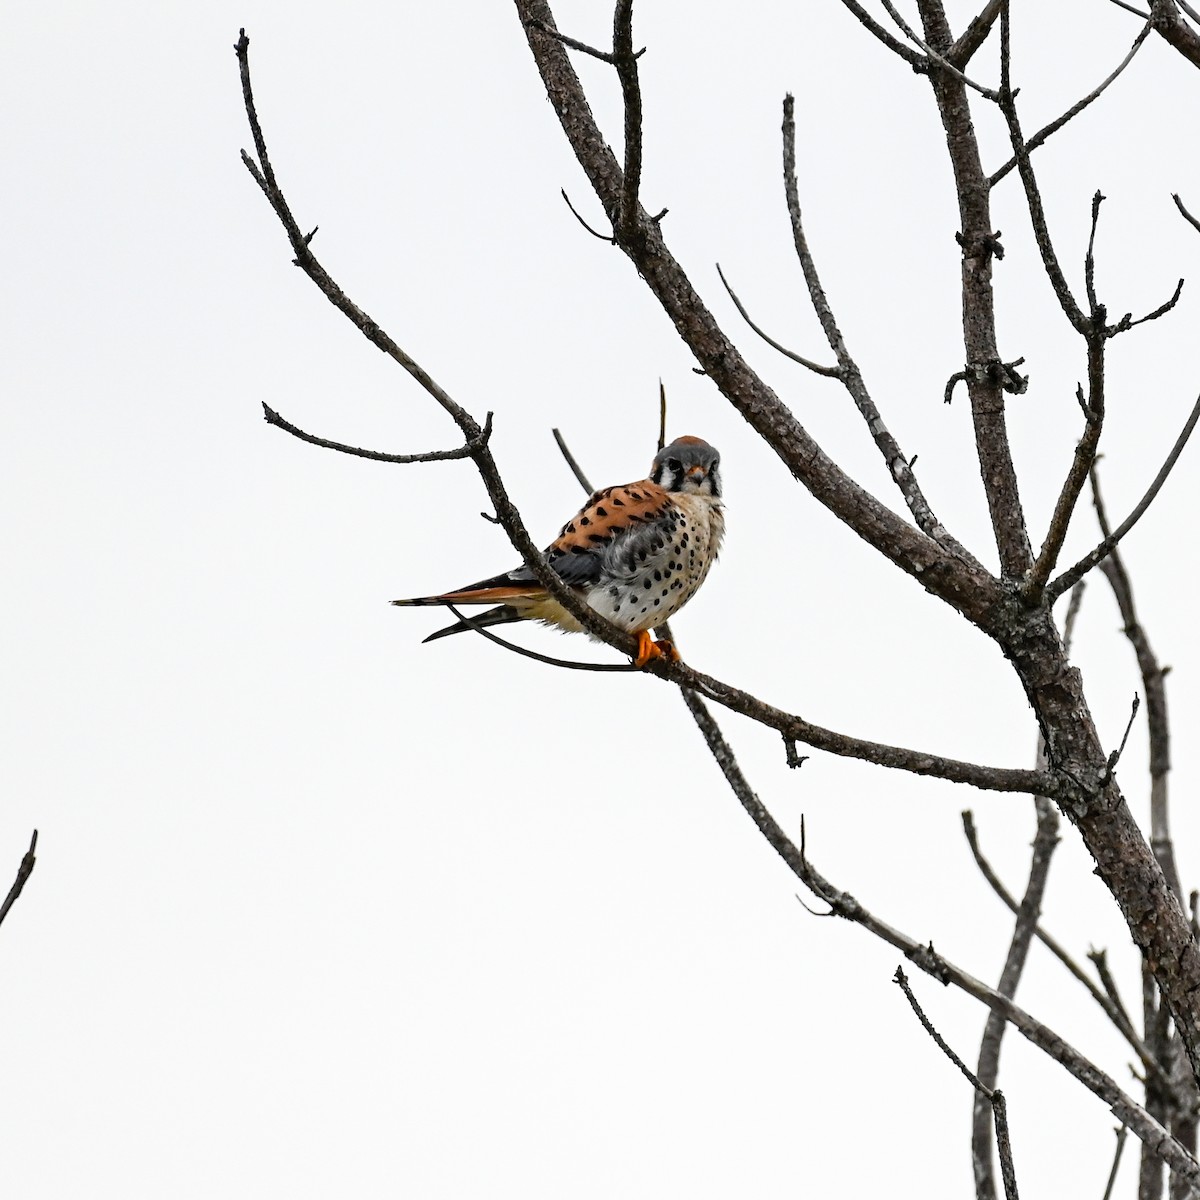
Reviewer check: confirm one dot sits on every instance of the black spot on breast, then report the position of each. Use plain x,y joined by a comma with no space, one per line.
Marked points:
664,592
658,575
585,520
598,537
635,495
656,604
601,511
571,527
618,502
649,583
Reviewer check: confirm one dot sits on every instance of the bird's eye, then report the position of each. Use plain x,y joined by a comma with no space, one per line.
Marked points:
674,466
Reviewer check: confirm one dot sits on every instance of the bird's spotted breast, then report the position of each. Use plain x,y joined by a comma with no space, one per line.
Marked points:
653,573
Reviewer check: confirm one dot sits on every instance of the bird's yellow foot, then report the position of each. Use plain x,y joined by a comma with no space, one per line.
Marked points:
648,650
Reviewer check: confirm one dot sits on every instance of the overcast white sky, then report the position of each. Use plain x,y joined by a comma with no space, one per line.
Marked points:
322,911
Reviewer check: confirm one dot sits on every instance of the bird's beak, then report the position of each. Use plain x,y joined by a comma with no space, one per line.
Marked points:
696,473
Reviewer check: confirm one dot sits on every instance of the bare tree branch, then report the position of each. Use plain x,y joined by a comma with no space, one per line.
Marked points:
576,469
1033,196
881,35
1154,685
465,451
23,873
1112,1175
941,60
1175,30
897,464
604,237
627,227
1187,216
1072,576
1027,913
828,372
988,1095
1114,1013
1081,463
980,247
963,50
1048,130
583,47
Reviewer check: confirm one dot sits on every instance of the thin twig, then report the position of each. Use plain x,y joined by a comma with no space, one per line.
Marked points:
1115,1014
662,414
23,872
1099,959
576,469
1115,756
993,1096
1127,322
1089,259
1034,587
1070,577
1073,605
1154,686
829,372
1187,216
894,44
1033,197
583,47
1112,1175
542,658
1137,12
610,238
897,463
1047,130
1024,929
465,451
986,92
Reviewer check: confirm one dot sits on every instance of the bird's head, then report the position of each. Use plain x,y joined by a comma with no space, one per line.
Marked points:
688,464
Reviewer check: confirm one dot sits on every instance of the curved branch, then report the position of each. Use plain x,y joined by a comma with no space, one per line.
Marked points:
897,464
467,450
816,368
1072,576
1047,130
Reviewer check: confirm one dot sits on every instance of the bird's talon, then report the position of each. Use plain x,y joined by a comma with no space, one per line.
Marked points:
648,650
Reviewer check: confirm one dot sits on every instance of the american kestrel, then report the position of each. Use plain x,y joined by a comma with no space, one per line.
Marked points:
635,553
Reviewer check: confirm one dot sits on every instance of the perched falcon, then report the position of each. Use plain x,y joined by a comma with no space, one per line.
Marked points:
636,554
